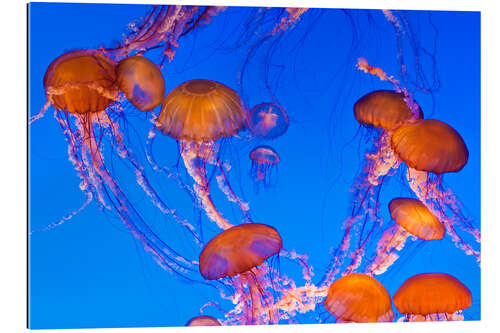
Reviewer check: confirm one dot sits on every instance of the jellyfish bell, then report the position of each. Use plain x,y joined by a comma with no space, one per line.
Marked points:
412,218
81,82
265,154
203,321
141,81
385,109
238,250
430,145
267,121
201,110
264,159
359,298
431,294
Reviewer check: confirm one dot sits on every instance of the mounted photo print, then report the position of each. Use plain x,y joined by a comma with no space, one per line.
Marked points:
215,166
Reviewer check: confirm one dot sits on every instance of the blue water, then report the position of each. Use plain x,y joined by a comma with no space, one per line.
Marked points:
90,272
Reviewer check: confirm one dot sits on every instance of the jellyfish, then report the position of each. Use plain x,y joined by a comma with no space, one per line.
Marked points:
237,253
432,297
196,114
359,298
267,121
264,160
431,148
203,321
141,81
82,87
414,220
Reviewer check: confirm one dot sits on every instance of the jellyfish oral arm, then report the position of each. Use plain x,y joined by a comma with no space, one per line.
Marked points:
195,155
392,240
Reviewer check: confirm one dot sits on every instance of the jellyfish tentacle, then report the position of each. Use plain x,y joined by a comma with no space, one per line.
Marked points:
226,188
67,217
392,240
98,175
432,198
41,113
156,167
143,182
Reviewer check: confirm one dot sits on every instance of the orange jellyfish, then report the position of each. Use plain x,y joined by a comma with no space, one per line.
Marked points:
141,81
381,111
196,114
430,148
267,121
432,297
412,219
82,87
359,298
237,253
203,321
264,160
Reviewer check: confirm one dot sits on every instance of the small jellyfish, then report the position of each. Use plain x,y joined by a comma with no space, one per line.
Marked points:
359,298
412,218
141,81
264,160
237,253
267,121
203,321
432,297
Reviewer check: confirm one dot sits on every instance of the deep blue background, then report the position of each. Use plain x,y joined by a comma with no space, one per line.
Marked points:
90,272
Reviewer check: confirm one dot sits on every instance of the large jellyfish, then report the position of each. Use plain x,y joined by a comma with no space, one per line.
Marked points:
236,253
413,219
241,257
264,160
432,297
359,298
196,114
